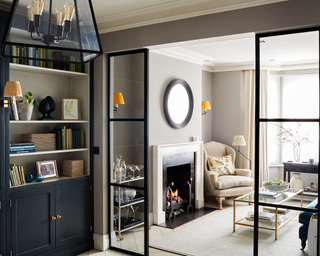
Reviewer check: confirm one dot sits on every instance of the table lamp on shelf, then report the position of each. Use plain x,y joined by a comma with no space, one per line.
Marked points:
12,89
117,99
239,140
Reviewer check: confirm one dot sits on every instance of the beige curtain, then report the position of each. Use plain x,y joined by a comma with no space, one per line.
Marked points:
249,123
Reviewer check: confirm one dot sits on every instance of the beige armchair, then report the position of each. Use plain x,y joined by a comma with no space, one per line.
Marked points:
224,185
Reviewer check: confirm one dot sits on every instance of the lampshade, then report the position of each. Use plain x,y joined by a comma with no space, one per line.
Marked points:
238,140
12,89
206,105
118,98
51,30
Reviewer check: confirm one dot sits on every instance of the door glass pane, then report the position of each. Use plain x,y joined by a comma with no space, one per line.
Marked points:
288,150
289,77
127,78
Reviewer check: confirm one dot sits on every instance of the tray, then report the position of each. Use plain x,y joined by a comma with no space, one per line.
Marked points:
127,224
138,197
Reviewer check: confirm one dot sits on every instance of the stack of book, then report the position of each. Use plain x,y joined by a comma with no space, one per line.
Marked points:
268,194
67,138
22,147
273,210
16,175
263,217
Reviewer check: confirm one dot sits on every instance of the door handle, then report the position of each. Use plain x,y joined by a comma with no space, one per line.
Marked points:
59,216
53,218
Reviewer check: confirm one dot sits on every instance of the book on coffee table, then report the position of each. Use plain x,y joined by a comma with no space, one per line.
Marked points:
269,194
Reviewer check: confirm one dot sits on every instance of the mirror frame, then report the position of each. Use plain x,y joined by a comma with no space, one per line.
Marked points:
169,88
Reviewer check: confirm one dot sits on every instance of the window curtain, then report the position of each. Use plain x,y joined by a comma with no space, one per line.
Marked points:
249,123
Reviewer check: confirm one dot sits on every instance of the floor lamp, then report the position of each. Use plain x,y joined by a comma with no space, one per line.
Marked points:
239,140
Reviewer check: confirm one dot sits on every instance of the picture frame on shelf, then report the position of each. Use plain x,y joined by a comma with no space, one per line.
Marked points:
314,185
47,168
70,109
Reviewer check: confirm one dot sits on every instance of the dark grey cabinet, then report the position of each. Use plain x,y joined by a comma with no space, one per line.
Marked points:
42,220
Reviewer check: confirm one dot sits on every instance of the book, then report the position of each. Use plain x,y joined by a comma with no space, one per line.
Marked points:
269,194
264,216
63,135
19,148
24,151
58,133
273,210
18,144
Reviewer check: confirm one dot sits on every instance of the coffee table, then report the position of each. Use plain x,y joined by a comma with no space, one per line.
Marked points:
280,219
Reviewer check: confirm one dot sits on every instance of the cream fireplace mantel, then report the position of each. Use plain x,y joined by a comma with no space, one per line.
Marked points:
171,149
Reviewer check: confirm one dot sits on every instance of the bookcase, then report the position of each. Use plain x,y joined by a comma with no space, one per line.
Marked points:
58,84
54,216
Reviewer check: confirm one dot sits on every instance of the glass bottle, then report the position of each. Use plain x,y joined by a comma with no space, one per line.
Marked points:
118,169
124,169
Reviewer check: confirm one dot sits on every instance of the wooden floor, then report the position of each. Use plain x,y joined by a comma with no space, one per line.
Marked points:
185,217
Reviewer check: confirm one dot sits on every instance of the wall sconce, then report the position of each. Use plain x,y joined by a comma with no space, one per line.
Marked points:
239,140
117,99
12,89
205,107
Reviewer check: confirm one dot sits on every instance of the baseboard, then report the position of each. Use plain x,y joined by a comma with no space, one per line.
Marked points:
101,242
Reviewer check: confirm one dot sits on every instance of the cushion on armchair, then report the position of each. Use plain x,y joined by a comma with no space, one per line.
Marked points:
230,181
221,165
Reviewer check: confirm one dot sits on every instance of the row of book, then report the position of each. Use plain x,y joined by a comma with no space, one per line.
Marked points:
269,194
22,147
16,175
61,61
67,138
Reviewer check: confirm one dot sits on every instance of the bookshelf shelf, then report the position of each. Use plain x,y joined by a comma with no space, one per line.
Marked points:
49,122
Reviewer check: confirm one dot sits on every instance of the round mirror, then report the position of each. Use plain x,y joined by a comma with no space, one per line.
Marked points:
178,103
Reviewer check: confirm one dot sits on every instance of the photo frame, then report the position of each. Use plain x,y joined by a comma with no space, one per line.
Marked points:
314,185
70,109
48,168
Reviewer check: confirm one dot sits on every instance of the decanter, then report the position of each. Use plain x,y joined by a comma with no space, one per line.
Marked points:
118,169
124,169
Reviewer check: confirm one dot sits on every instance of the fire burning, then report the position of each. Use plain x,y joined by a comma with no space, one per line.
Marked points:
174,194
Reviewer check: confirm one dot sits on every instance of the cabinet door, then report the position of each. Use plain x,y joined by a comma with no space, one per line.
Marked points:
73,204
31,224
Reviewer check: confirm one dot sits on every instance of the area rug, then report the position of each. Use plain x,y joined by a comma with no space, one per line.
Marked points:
213,235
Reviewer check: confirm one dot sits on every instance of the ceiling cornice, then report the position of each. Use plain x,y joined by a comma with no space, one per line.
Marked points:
159,13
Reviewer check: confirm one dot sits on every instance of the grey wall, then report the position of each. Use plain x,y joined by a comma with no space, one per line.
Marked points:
163,70
271,17
226,107
207,96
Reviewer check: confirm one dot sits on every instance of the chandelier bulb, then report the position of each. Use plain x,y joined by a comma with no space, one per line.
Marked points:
30,12
38,6
59,15
68,11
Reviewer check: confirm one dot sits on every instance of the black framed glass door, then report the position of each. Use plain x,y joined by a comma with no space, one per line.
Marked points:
287,121
128,146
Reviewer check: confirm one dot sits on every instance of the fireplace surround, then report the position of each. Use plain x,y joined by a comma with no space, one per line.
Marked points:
159,151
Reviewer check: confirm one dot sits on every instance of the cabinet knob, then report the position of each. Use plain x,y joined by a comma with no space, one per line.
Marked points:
59,216
53,218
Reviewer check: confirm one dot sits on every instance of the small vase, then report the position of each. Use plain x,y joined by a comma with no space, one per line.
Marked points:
25,110
29,178
296,181
39,177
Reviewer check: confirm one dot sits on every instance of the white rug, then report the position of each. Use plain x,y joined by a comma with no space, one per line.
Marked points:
213,235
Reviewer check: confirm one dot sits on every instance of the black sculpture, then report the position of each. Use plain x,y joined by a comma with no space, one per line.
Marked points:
46,107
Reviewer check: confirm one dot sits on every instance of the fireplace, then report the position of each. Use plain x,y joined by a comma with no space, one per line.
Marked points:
178,183
176,151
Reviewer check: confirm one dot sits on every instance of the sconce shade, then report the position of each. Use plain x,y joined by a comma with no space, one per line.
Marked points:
52,30
206,105
12,89
238,140
118,98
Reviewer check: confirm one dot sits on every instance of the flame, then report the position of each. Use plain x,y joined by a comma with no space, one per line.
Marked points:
174,193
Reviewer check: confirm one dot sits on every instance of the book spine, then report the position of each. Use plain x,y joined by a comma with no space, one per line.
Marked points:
21,144
23,151
17,148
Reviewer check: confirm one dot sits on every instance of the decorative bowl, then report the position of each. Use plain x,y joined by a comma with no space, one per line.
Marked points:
276,188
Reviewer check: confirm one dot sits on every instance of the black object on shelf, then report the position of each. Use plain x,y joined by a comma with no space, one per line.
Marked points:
46,107
138,197
130,222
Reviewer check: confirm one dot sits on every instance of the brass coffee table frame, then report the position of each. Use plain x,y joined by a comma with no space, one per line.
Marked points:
248,198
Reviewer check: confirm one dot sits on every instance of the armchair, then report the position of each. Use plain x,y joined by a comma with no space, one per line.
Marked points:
224,185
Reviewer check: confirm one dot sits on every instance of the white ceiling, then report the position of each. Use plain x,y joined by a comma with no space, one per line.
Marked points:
218,54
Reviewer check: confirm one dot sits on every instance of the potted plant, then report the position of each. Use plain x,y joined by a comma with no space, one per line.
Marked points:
25,106
276,185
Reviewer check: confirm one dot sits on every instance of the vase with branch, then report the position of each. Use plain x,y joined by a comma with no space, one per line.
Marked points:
292,136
